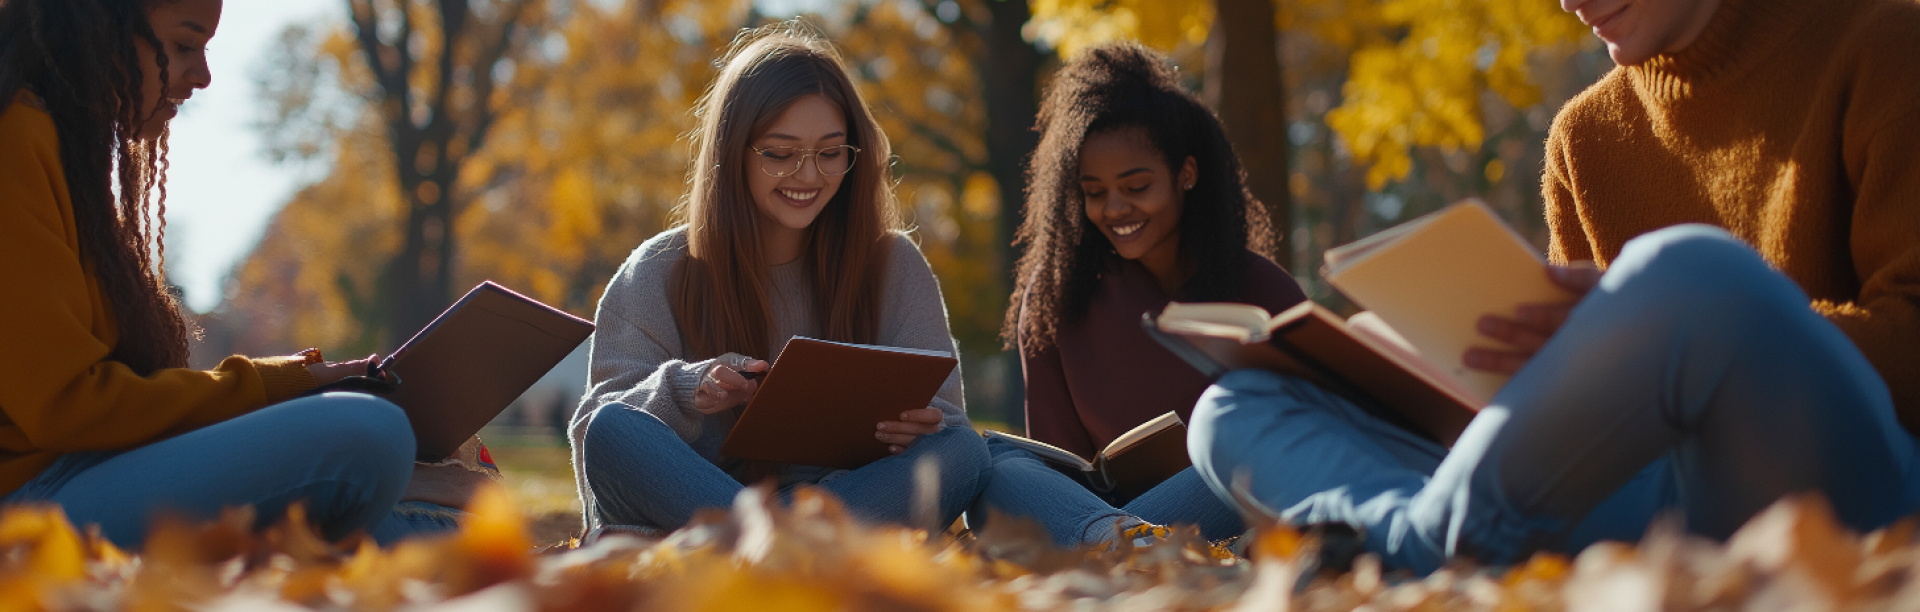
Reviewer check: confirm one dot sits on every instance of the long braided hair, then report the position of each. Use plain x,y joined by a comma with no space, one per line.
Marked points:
81,58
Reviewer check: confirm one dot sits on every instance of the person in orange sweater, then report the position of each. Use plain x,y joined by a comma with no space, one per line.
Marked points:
1745,180
98,412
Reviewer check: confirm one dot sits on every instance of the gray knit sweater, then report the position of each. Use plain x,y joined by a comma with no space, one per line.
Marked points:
637,357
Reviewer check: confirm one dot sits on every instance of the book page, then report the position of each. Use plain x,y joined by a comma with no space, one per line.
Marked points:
1337,258
1370,328
1432,285
890,349
1242,322
1046,452
1142,432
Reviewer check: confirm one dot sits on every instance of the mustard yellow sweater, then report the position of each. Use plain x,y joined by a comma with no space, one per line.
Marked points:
1795,125
58,393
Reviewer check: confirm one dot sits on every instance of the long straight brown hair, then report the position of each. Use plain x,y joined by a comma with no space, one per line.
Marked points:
720,290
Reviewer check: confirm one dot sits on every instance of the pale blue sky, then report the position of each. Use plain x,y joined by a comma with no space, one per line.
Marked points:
222,190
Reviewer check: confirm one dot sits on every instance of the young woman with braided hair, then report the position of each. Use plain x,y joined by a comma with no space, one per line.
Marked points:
98,410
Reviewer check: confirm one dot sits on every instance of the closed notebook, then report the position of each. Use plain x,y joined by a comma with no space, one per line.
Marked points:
473,360
820,401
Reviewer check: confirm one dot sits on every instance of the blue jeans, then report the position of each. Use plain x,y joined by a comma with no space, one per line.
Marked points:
346,456
1692,378
1021,484
639,472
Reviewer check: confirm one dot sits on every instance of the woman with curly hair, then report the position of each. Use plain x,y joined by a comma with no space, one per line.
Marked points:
98,410
1137,199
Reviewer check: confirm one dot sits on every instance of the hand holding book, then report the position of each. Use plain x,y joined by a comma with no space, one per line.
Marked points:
731,381
1532,324
912,424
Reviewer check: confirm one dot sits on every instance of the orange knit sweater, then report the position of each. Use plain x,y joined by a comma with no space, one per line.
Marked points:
1795,125
58,393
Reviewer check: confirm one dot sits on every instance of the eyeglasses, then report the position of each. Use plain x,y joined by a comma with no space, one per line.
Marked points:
784,161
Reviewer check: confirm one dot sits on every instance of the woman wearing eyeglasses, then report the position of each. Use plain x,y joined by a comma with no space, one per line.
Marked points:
790,230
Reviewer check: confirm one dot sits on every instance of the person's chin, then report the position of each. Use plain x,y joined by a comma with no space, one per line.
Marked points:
1627,54
798,222
152,131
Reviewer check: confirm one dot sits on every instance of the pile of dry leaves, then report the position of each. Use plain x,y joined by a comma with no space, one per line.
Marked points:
810,556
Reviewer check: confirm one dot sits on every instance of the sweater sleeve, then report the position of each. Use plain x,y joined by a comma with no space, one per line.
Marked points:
636,357
915,316
1884,321
1567,238
1051,417
56,383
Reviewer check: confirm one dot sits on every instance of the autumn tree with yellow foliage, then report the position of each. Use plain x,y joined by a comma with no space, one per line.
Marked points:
585,154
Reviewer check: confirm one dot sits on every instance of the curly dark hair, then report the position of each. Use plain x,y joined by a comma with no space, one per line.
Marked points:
1111,87
80,57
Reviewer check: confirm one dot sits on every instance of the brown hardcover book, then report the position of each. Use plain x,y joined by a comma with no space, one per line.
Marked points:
1138,460
819,403
1356,359
1425,282
473,360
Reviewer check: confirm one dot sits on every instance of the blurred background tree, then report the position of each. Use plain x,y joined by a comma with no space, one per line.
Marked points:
553,137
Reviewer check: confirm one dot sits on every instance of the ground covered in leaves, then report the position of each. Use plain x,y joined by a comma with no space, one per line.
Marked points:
810,556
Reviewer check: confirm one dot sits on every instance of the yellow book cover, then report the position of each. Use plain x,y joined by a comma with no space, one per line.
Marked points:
1433,277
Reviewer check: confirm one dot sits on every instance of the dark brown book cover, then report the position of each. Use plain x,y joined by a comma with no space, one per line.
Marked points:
819,403
473,360
1144,457
1312,342
1138,460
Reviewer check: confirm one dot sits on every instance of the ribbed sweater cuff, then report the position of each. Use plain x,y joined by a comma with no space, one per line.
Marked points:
686,380
283,377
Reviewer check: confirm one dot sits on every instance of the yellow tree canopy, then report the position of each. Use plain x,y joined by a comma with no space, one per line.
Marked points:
1416,72
589,157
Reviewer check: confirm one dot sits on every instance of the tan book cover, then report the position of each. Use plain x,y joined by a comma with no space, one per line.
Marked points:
1433,277
1361,359
473,360
1138,460
819,403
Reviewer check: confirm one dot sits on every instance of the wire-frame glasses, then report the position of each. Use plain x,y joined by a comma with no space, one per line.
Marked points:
779,161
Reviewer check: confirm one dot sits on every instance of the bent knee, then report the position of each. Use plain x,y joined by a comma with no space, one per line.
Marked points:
1699,265
371,423
615,427
959,449
1705,280
364,434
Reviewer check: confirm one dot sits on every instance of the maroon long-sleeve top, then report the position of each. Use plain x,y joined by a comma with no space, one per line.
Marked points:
1104,375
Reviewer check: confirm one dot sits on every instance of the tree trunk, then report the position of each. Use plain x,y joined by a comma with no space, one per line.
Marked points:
1244,84
1010,77
418,282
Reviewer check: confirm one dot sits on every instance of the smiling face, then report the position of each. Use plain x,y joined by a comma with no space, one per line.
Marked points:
1134,198
1637,30
789,204
183,27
